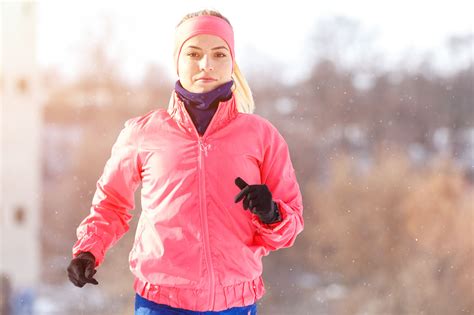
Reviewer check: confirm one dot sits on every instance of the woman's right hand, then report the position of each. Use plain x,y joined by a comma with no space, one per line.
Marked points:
81,270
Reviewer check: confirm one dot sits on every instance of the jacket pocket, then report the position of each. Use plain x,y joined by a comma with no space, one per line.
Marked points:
167,255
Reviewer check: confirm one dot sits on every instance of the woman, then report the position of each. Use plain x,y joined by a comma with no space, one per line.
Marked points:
195,248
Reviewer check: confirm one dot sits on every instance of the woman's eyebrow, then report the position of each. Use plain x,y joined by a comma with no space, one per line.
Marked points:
215,48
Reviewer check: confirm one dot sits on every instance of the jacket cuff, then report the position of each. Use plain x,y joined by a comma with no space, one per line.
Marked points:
283,217
92,244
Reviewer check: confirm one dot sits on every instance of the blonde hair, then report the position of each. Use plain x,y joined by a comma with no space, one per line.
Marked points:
240,88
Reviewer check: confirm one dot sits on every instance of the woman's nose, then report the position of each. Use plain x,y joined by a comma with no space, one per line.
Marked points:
204,64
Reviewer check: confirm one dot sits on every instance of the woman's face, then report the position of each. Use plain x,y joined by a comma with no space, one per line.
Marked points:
204,63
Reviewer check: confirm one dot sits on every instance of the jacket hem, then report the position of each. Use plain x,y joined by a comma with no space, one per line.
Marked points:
196,299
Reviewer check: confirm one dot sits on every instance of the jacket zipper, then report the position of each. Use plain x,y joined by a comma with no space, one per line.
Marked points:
202,197
202,193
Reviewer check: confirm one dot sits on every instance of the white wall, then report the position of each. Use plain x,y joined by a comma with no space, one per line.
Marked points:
20,130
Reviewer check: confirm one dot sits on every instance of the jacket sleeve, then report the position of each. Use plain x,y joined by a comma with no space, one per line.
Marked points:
278,174
109,214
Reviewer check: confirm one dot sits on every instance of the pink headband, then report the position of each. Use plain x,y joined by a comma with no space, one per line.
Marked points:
203,24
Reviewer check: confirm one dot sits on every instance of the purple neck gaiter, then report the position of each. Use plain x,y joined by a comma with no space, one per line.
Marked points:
202,106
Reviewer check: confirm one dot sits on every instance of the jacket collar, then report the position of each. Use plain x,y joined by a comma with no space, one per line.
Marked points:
226,111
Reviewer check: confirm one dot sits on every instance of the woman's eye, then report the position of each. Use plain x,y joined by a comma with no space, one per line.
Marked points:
193,54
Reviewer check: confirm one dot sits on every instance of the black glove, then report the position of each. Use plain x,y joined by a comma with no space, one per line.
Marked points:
259,200
81,269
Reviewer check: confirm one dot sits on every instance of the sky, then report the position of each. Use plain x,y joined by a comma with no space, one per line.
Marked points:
267,33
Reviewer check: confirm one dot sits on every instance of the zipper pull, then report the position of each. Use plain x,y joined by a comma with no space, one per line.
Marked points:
204,147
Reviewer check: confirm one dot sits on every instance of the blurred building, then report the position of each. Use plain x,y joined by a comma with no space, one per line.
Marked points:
20,145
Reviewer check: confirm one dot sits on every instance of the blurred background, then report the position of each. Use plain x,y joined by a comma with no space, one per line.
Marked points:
375,100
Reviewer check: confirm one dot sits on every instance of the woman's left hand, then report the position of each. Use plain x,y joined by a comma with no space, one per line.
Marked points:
258,199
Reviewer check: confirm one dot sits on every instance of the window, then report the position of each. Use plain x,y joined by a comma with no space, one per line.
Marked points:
22,85
19,215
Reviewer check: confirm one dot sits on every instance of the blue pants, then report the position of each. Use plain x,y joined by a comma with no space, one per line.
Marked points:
147,307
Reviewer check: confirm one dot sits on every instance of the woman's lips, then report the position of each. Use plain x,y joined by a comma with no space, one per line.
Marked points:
206,79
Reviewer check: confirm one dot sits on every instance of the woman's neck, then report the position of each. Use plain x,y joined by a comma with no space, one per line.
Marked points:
202,106
205,100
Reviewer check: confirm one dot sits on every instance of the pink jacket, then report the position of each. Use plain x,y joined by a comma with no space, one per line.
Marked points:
194,247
